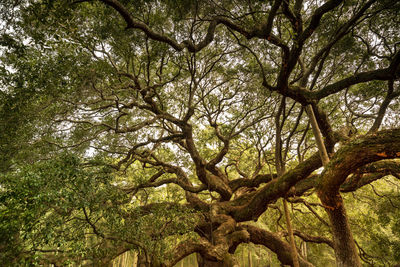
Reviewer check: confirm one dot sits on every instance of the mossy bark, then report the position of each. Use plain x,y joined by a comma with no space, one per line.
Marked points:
345,248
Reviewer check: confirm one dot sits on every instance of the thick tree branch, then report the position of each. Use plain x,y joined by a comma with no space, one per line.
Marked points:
370,173
248,182
316,18
263,31
357,153
313,239
273,190
343,30
274,243
390,73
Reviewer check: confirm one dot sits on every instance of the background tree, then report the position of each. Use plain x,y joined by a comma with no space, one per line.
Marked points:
130,126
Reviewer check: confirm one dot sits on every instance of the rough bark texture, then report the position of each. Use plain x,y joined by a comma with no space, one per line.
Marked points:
275,244
252,206
359,152
345,248
375,147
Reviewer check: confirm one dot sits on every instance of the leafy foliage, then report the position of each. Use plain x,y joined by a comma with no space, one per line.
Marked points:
167,127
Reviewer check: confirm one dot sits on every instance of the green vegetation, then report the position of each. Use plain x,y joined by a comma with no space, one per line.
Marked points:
166,133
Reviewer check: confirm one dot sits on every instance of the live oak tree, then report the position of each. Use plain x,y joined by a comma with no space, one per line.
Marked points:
167,127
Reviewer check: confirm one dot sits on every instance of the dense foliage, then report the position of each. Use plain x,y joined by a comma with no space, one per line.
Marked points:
175,127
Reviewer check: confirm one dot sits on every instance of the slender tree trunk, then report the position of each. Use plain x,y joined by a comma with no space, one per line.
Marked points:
280,169
269,258
291,236
318,136
141,261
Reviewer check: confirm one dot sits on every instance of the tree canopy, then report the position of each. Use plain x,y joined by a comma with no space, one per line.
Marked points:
175,127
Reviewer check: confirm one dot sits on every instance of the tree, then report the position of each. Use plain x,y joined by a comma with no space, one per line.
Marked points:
127,126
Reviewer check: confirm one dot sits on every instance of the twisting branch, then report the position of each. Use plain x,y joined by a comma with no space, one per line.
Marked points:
263,31
389,73
313,239
275,244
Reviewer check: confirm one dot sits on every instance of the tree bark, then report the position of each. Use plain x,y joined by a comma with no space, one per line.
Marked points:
249,257
345,248
275,244
358,153
318,136
228,261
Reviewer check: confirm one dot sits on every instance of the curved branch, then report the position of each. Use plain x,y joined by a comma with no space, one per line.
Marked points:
371,173
273,242
390,73
273,190
344,29
187,247
263,31
313,239
316,18
359,152
255,182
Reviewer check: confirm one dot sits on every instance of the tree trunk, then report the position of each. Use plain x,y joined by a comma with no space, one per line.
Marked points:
205,263
293,250
317,135
144,261
345,248
249,257
135,259
228,261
